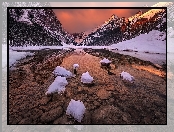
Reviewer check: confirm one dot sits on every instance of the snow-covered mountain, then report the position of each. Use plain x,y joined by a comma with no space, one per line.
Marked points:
36,27
79,37
116,29
104,32
41,27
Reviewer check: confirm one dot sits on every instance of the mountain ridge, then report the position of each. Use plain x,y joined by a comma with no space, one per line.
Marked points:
41,27
36,27
125,28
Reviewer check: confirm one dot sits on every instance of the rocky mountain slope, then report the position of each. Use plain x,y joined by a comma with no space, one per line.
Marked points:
36,27
120,29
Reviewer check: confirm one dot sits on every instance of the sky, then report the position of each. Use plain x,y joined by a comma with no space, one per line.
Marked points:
79,20
84,20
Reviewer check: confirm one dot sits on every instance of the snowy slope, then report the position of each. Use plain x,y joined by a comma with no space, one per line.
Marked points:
153,42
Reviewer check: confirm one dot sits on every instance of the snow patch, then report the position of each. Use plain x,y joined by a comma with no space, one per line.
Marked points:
86,78
96,35
60,71
14,56
127,76
105,61
76,109
24,17
58,85
75,66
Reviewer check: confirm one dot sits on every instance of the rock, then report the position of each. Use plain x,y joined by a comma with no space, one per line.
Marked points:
68,93
158,66
32,115
111,100
86,95
51,115
105,114
87,118
25,121
57,96
80,89
63,120
14,119
90,92
91,107
110,88
103,94
147,120
125,118
45,100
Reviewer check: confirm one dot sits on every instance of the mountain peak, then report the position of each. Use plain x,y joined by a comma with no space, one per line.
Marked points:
113,17
140,12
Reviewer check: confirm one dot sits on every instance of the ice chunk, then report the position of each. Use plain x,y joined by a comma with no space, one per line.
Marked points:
75,66
58,85
86,78
60,71
76,109
127,76
61,81
105,61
